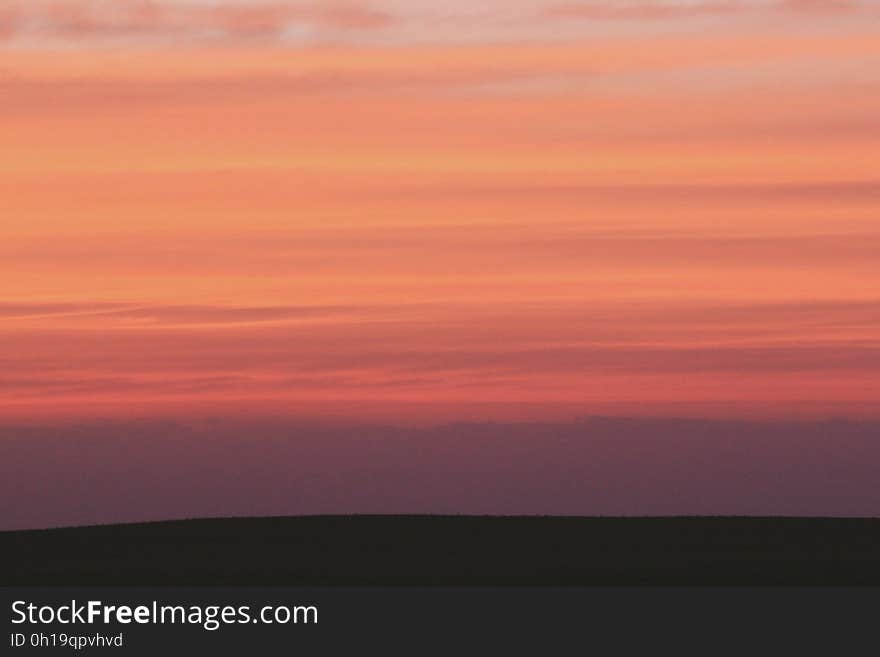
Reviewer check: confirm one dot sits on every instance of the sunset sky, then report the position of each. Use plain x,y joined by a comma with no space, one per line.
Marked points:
419,211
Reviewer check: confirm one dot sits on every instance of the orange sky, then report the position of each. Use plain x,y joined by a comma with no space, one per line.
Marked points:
213,205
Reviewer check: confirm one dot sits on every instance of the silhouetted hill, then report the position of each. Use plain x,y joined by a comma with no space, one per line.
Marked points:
413,550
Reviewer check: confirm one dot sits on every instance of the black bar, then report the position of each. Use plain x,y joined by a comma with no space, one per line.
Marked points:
473,620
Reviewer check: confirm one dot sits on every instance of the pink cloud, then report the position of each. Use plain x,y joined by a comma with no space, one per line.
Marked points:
271,19
656,10
9,20
647,10
822,5
79,19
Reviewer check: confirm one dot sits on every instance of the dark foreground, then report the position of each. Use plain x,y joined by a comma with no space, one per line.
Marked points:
469,550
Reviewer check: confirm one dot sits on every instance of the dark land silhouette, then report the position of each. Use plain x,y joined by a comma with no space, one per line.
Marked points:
451,550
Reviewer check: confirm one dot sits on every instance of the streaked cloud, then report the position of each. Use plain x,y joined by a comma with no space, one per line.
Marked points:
180,21
587,352
639,10
172,23
827,6
650,10
166,315
404,206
